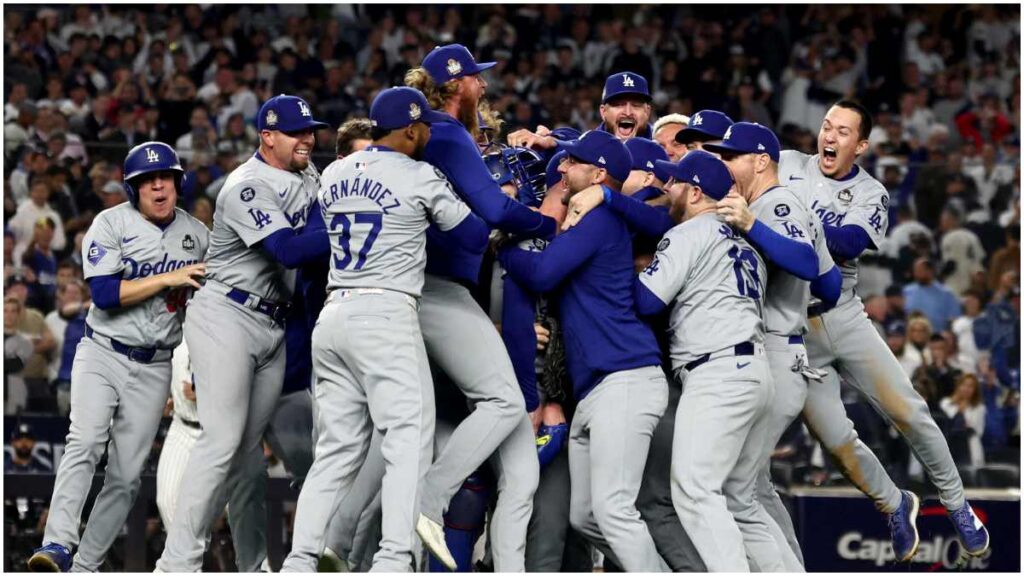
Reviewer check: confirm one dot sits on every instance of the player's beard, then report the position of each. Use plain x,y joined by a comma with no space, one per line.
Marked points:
468,114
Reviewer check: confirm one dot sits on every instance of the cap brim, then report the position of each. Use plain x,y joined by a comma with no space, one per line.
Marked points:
719,148
687,135
646,97
481,66
667,168
433,117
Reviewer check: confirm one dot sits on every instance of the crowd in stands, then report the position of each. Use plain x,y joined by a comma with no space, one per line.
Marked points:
84,83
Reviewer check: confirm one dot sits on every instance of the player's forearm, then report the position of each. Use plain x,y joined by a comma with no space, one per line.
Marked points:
646,302
520,339
828,287
846,242
645,219
292,250
134,291
501,212
472,234
797,258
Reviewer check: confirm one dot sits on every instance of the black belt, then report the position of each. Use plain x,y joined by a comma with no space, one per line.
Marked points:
815,310
796,339
277,311
190,423
744,349
135,354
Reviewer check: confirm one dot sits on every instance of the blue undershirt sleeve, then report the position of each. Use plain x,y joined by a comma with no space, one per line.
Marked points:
517,316
828,287
846,242
106,291
797,258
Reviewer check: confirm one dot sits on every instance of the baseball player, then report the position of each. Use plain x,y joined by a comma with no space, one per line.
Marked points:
181,436
853,210
140,258
617,378
665,130
779,225
459,336
235,336
368,354
715,281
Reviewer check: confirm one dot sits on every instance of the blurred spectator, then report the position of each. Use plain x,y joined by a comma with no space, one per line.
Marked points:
919,333
939,368
989,176
1006,259
965,407
40,259
961,250
202,210
963,329
984,123
18,351
1002,408
896,304
931,297
908,356
877,308
998,330
200,139
30,211
23,457
69,321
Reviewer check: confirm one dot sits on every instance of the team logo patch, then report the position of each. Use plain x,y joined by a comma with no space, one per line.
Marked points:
845,195
627,82
414,111
271,118
453,67
663,244
188,243
96,253
782,210
247,194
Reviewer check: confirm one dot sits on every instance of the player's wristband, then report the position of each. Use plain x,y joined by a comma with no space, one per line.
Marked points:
607,194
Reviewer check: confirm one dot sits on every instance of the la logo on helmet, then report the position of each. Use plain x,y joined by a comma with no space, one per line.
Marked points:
627,82
152,156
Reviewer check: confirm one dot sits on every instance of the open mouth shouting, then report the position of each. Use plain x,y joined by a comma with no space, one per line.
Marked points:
829,157
625,128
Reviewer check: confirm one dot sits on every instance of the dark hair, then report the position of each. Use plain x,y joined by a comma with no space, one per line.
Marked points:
378,133
866,122
350,131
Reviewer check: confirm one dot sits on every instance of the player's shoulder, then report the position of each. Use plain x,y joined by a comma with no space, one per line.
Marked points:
794,161
245,182
866,183
189,221
781,202
118,216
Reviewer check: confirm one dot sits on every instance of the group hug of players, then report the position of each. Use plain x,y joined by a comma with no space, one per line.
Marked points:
698,290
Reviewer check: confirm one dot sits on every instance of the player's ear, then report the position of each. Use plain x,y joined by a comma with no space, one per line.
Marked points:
648,179
862,147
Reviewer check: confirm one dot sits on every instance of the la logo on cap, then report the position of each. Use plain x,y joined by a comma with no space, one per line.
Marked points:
696,120
151,155
627,82
304,109
271,118
453,67
728,133
414,111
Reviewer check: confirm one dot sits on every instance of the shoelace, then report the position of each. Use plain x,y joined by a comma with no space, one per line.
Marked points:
896,522
964,520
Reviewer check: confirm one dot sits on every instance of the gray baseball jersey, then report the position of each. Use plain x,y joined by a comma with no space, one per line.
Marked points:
857,199
121,241
785,311
716,280
377,205
256,201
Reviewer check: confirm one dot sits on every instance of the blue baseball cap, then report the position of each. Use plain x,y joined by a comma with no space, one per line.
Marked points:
646,154
703,169
705,125
551,173
401,106
622,83
286,114
451,62
602,150
748,138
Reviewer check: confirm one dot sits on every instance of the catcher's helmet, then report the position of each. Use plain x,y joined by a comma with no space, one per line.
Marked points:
150,157
522,167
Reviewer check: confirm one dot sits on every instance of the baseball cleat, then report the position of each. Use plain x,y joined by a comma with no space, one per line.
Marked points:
50,558
432,535
903,527
973,534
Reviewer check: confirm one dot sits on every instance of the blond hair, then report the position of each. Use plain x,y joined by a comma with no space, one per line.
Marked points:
421,80
670,119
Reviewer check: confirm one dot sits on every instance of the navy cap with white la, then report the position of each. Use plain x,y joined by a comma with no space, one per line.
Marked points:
286,114
646,154
704,125
748,138
702,169
602,150
452,61
401,106
622,83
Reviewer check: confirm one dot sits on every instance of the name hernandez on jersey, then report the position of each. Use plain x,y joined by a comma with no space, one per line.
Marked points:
857,200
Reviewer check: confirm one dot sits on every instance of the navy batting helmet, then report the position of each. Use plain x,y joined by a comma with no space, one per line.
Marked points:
522,167
146,158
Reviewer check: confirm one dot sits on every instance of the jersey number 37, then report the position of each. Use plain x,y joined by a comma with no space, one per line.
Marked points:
361,219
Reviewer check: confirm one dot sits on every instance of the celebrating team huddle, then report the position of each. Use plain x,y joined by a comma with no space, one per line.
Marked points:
697,286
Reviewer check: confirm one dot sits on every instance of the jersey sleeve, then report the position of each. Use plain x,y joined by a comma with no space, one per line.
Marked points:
101,248
445,208
787,216
666,274
817,235
792,163
870,211
252,210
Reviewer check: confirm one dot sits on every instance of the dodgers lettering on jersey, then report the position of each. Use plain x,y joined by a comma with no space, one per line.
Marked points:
377,205
857,200
121,241
715,282
256,201
785,306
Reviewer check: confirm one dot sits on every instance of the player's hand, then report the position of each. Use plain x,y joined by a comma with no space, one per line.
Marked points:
582,203
186,276
543,336
552,414
526,139
736,212
189,389
535,419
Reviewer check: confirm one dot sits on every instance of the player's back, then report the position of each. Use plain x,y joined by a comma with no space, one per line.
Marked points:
721,281
377,205
787,296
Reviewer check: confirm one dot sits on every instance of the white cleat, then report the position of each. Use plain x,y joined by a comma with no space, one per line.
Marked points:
432,535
